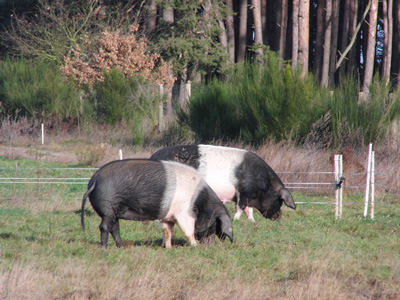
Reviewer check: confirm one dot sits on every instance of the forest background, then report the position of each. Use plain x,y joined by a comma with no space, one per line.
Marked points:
320,73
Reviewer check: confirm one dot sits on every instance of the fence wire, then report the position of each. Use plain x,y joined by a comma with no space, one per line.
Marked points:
313,185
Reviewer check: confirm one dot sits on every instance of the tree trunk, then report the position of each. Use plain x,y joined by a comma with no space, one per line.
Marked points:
319,38
388,30
168,14
230,30
264,19
346,5
304,33
327,43
242,41
168,17
352,60
396,46
223,37
283,28
257,27
151,18
295,33
334,41
371,43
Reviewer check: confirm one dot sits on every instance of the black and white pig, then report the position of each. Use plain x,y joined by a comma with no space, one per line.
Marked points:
235,175
141,190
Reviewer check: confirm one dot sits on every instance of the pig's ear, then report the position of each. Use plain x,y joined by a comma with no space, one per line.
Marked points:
287,198
224,227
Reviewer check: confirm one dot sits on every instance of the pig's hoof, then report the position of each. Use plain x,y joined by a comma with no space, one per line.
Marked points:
236,216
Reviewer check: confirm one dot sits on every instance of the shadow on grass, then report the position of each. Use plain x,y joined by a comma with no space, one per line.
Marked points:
87,212
7,236
144,243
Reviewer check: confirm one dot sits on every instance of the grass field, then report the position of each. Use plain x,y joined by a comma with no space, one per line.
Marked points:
306,255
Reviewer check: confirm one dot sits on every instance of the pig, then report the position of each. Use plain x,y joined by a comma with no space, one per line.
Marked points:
235,175
142,190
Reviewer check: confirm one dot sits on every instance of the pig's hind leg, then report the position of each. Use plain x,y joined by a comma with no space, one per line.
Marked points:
115,234
109,225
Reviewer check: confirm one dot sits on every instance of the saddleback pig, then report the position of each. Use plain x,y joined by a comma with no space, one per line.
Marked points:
141,190
235,175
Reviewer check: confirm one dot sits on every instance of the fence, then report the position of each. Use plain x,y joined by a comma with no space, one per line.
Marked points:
335,181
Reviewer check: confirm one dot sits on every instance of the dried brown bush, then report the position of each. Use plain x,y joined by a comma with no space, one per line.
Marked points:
125,52
91,155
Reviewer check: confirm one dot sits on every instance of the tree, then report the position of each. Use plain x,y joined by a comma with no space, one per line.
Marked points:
334,41
151,17
353,55
327,43
295,33
396,48
304,33
319,38
230,30
371,42
388,30
283,28
258,37
242,40
57,26
346,5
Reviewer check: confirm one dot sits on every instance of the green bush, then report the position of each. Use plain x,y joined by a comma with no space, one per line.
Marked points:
33,87
126,98
366,119
254,103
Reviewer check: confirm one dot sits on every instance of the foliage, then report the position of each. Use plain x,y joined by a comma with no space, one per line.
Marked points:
191,42
50,29
124,52
255,102
35,88
126,98
91,155
362,119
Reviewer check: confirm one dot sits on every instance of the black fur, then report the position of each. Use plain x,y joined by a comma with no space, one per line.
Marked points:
186,154
258,186
210,214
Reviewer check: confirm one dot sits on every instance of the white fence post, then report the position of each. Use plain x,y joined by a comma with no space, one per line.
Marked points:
161,110
367,184
340,185
337,190
42,134
372,213
120,154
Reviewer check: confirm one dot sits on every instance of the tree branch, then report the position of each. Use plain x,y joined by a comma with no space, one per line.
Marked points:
353,39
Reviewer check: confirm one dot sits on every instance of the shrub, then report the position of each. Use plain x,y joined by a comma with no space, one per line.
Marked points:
126,98
36,88
91,155
254,103
115,50
364,120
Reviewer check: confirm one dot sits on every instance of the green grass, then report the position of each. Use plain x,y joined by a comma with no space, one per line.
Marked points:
306,255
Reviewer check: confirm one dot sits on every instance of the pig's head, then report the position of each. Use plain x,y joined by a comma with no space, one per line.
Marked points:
269,202
212,219
260,187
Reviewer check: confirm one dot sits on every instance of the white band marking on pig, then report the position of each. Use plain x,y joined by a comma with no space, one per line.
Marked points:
184,184
217,165
170,190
